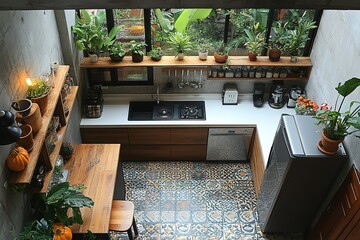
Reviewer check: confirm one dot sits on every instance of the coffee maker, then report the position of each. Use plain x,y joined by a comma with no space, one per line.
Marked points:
276,98
258,96
295,92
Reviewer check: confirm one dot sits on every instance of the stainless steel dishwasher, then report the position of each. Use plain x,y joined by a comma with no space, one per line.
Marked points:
229,144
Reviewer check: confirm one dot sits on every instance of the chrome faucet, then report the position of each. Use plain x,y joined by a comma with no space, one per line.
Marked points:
157,95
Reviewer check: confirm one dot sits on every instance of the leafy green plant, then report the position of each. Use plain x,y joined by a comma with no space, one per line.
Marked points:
37,230
204,47
296,38
156,53
222,49
37,88
278,39
254,39
190,15
337,124
179,42
62,198
118,48
137,47
90,34
66,148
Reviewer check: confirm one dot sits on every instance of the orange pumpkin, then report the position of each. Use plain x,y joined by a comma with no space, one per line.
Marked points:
61,232
18,159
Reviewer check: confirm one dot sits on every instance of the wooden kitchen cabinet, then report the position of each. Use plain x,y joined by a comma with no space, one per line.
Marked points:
108,135
341,219
257,164
153,143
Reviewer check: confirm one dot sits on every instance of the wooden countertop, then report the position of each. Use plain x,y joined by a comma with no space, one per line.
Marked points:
95,166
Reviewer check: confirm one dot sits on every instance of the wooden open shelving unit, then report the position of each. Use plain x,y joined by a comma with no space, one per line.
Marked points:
193,62
39,152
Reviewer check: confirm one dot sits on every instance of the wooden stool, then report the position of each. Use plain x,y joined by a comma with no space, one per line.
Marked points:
122,218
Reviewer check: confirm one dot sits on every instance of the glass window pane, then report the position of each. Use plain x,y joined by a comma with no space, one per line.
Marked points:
132,22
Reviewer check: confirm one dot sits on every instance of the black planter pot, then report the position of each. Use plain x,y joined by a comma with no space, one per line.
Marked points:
116,58
137,57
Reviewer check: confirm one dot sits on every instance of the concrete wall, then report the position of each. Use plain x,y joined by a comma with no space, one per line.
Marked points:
29,43
336,57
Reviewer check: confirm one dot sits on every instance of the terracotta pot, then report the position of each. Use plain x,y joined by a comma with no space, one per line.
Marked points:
274,55
252,56
22,107
328,146
137,57
34,118
220,58
42,102
26,139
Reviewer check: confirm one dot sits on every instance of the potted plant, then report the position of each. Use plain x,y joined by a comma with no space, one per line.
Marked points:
137,50
221,53
203,51
156,54
52,210
66,150
254,41
38,93
180,43
337,124
296,38
91,36
117,51
277,41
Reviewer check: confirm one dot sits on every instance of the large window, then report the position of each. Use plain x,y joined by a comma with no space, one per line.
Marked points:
206,27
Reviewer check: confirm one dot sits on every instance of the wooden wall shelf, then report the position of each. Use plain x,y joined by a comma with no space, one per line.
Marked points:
192,61
55,107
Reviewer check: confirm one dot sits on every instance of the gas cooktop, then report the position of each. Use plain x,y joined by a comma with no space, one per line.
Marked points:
167,110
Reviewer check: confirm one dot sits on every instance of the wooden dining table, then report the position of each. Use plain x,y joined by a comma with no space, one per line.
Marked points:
94,166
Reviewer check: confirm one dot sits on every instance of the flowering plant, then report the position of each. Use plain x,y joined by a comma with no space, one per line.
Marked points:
305,106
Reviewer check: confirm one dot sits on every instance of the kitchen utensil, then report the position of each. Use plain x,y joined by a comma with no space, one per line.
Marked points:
194,83
181,84
200,84
258,96
187,77
295,92
169,83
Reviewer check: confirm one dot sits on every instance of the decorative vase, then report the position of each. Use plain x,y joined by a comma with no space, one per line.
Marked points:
252,56
220,58
42,102
26,139
328,146
274,55
203,55
137,57
93,58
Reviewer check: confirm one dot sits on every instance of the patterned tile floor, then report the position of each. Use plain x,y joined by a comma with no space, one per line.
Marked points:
193,200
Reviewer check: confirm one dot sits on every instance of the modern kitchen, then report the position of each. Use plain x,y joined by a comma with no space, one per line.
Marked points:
196,155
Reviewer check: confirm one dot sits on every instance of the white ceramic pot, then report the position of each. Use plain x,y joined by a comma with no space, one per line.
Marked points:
93,58
203,55
180,56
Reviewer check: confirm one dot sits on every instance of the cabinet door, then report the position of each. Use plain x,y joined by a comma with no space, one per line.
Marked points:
337,222
105,135
150,152
189,135
257,164
188,152
108,135
149,136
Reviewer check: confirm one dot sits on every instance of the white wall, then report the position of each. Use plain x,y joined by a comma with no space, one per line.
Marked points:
336,58
29,42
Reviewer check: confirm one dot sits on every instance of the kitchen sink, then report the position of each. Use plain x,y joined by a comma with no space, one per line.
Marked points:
166,110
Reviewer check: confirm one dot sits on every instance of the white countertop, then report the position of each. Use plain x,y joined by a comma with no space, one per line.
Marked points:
265,119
